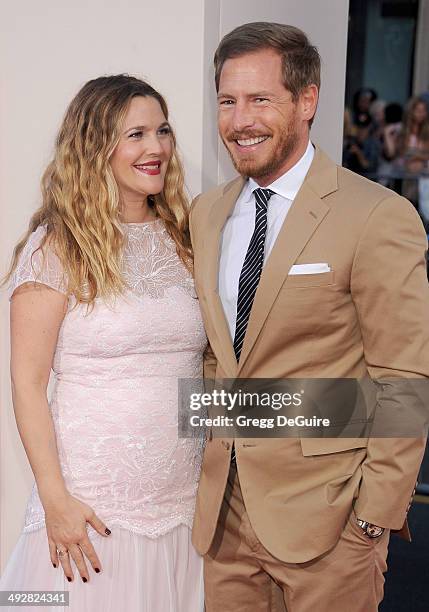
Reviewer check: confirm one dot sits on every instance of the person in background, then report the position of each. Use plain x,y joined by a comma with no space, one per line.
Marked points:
425,97
362,101
361,149
388,146
348,127
412,147
377,114
413,139
393,124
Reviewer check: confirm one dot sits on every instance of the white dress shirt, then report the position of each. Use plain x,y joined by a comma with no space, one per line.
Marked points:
239,228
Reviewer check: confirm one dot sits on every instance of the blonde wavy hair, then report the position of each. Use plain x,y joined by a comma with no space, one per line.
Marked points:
410,126
80,198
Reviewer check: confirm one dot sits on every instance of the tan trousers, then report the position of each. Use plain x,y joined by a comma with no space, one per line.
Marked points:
241,575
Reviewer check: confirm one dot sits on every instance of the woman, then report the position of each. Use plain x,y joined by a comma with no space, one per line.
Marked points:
413,139
412,148
101,289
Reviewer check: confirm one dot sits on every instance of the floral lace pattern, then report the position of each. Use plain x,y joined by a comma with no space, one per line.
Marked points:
114,403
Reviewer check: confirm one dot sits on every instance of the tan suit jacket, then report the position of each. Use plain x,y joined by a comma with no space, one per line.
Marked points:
368,316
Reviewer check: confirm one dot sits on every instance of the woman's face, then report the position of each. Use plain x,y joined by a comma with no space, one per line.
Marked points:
420,112
364,102
141,157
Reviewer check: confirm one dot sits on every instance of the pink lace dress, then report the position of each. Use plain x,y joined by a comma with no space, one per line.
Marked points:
114,407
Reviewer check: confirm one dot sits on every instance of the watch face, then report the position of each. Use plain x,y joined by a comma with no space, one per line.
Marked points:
373,531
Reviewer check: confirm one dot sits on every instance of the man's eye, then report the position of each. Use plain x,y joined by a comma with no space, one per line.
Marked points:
226,102
261,99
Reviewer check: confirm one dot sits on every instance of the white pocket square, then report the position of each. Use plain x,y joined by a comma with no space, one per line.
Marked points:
311,268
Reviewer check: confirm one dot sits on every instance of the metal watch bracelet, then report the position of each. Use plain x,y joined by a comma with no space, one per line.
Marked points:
372,531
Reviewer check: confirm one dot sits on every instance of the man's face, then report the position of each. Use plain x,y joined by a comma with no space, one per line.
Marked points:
260,125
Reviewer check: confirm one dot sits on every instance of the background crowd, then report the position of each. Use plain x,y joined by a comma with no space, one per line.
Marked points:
389,144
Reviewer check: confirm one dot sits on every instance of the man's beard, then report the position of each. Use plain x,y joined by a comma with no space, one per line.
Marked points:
257,170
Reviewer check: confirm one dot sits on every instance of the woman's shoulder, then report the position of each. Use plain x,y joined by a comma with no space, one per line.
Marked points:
38,263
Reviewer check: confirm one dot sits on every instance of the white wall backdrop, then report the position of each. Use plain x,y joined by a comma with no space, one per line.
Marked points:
48,49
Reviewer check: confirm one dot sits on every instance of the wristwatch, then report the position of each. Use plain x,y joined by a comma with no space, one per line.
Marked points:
372,531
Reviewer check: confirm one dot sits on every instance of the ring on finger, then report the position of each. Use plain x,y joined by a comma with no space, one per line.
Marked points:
62,553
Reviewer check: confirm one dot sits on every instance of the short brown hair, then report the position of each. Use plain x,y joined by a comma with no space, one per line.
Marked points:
300,59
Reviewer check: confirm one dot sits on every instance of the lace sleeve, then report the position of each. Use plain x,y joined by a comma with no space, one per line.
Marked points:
38,265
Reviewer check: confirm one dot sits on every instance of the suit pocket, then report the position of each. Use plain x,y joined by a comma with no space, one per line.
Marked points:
326,446
304,304
309,280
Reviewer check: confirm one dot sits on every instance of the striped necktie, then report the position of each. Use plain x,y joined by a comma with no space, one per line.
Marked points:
252,268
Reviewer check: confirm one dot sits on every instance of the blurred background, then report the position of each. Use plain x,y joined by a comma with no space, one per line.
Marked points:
386,116
386,139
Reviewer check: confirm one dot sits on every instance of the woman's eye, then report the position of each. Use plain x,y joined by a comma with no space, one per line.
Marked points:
165,130
138,134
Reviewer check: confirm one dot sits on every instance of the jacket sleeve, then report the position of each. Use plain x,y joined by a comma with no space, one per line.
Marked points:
391,295
210,361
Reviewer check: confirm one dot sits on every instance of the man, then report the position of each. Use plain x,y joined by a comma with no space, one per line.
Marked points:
303,269
361,151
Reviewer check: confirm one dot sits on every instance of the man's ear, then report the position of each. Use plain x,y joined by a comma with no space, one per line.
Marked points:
308,99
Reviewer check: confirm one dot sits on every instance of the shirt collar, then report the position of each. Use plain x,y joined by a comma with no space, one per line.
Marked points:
290,182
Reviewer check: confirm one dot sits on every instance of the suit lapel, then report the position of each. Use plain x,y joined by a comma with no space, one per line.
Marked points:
220,211
306,213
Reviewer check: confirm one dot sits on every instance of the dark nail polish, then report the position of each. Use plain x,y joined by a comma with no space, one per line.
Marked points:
96,570
69,579
84,579
107,531
54,564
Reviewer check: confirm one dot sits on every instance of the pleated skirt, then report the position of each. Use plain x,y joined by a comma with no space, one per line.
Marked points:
139,574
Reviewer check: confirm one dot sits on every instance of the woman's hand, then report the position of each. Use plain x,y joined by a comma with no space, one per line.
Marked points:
66,528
